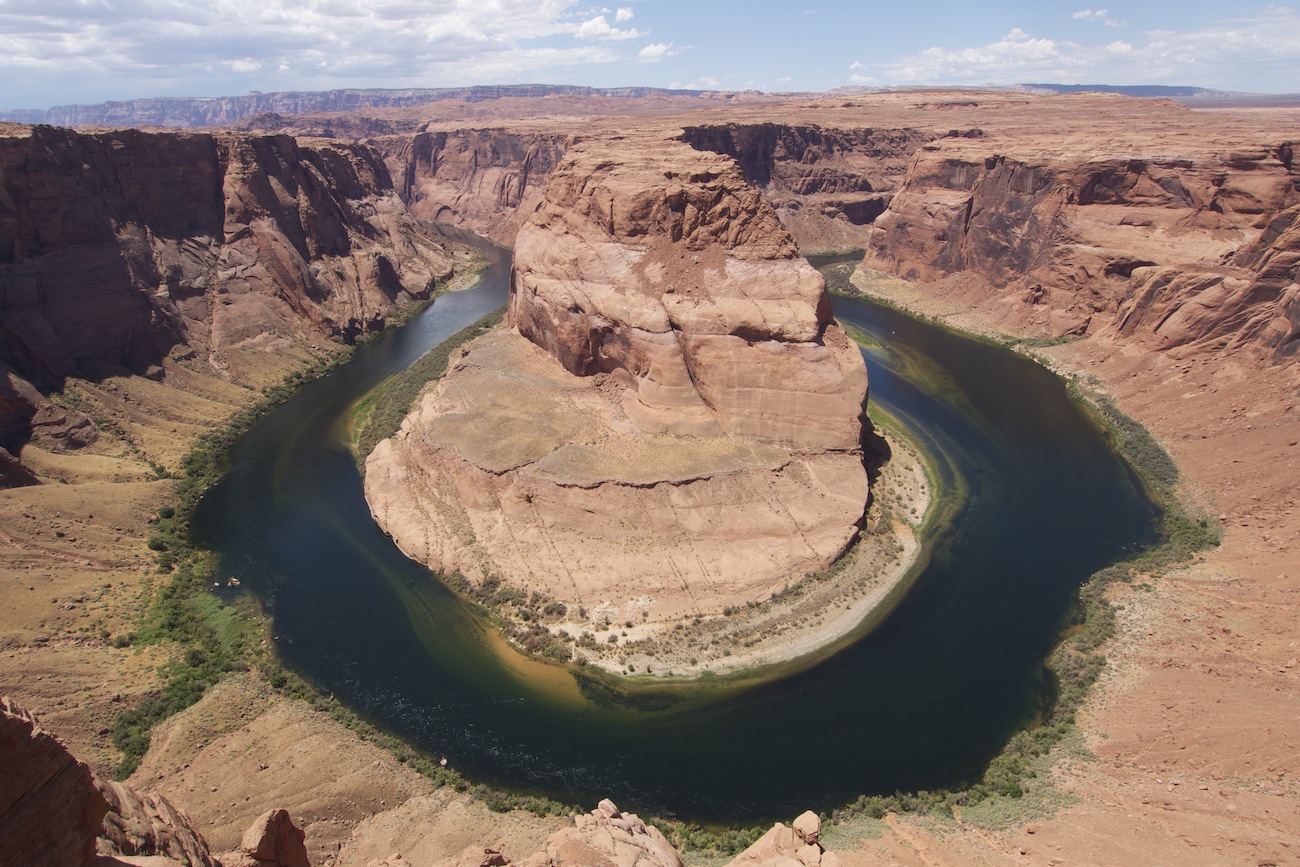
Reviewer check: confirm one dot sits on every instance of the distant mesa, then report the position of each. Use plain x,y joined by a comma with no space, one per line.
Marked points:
179,111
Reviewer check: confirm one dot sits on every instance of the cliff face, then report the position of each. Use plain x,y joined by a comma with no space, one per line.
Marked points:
673,271
124,248
1195,254
489,180
828,185
675,372
50,809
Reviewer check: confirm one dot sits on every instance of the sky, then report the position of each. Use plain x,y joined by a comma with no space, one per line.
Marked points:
56,52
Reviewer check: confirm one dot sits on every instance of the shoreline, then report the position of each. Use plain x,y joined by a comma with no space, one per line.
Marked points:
815,617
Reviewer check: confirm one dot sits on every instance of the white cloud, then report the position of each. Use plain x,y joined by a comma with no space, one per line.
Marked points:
623,14
1249,53
75,51
863,79
704,82
656,50
599,28
1101,16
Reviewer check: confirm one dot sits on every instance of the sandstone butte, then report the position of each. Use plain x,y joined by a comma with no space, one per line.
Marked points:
672,422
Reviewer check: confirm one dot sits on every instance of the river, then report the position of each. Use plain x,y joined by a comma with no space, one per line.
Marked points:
924,700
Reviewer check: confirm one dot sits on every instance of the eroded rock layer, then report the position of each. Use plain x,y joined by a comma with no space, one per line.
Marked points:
675,418
121,250
1193,254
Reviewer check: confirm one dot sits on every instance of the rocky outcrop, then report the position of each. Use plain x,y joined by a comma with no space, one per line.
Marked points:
796,846
120,249
488,180
664,266
53,811
607,837
674,371
1194,254
273,840
147,824
827,185
50,809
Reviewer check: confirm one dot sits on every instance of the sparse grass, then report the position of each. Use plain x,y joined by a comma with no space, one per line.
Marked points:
378,416
1016,784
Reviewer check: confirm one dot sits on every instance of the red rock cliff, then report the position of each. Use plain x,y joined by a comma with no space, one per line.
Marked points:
1196,252
120,248
664,266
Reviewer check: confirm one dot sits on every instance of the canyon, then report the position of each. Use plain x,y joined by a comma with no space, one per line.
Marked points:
1153,249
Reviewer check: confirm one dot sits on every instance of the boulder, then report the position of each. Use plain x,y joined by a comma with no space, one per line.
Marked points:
271,841
795,846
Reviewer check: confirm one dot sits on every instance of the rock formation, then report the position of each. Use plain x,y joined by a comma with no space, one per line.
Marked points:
221,110
827,185
607,837
53,811
488,180
1195,253
149,825
796,846
50,810
121,249
664,266
271,841
675,425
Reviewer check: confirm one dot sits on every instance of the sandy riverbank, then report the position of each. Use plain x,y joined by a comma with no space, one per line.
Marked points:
818,613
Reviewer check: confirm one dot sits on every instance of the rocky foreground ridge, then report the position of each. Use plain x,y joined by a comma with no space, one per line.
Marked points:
54,812
671,426
234,255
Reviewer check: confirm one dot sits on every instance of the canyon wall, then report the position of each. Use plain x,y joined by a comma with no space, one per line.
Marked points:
182,111
488,180
827,185
119,250
1187,253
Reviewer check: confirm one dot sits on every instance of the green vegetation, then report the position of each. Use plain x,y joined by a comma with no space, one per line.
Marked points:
379,414
1016,784
212,638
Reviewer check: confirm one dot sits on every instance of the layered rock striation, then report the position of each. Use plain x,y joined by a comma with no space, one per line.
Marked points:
50,809
488,180
1193,252
827,185
673,424
121,249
